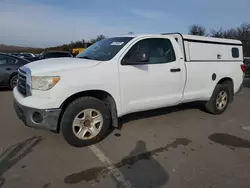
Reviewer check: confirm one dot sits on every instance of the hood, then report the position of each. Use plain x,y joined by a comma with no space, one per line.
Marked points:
59,64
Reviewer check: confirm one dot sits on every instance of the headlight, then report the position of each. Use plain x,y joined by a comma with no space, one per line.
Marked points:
44,82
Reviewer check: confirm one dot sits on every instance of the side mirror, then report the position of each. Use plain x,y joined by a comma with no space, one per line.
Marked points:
137,58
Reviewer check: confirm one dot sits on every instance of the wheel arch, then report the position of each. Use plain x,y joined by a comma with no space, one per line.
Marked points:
11,76
102,95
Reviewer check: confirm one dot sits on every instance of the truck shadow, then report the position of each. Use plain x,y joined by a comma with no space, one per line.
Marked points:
141,169
11,156
160,111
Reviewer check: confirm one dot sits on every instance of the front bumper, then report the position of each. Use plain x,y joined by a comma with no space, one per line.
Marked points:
37,118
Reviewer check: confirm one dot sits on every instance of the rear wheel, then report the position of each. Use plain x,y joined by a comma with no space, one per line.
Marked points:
13,81
85,121
219,100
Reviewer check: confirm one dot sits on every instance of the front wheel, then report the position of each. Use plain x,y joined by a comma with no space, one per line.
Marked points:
219,100
85,121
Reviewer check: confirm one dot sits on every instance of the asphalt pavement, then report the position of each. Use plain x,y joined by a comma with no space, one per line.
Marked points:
177,147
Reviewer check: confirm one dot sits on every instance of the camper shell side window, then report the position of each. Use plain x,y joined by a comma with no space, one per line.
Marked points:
235,52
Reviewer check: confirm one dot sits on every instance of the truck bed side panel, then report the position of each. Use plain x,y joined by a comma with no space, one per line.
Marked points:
200,85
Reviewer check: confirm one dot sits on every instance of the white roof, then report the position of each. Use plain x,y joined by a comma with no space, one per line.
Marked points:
190,37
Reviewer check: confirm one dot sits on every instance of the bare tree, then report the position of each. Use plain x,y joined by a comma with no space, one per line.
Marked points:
241,33
197,30
217,33
230,34
98,38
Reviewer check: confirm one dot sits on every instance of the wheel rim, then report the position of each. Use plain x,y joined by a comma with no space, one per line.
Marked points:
221,100
87,124
14,81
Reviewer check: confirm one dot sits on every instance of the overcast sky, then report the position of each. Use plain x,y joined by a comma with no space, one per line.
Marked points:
43,23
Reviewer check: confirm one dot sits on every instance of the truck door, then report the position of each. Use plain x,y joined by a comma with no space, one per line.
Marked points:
157,83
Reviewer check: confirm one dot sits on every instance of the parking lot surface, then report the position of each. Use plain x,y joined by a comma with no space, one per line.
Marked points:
178,147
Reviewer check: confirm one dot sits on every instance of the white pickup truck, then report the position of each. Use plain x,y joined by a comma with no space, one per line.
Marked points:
83,96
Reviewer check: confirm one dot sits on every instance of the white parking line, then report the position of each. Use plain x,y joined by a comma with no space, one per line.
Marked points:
117,174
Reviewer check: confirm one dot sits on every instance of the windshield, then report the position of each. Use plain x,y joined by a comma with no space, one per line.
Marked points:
105,49
26,55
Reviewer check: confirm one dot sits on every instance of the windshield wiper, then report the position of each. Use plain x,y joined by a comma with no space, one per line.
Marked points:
85,57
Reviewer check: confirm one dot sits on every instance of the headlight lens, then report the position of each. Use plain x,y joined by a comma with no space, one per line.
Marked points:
44,82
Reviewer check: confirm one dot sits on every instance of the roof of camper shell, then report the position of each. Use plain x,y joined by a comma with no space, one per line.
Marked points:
211,39
191,38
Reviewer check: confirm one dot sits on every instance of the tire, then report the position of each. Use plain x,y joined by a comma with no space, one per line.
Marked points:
211,106
13,81
83,108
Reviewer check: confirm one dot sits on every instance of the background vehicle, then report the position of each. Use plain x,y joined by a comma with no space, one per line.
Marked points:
247,63
77,51
15,54
55,54
51,54
9,65
26,55
84,96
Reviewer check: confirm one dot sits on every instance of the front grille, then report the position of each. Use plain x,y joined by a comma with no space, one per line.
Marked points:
21,86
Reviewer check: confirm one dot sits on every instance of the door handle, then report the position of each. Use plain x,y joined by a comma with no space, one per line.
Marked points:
8,69
175,70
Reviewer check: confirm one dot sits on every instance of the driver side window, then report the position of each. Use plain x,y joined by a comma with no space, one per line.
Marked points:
159,50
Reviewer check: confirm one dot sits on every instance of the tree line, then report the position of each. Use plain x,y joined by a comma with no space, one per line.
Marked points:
77,44
241,33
